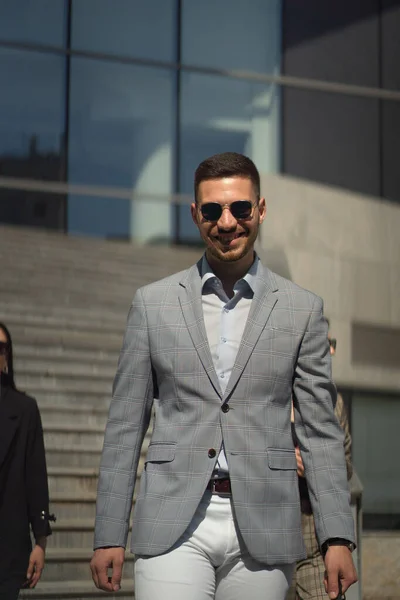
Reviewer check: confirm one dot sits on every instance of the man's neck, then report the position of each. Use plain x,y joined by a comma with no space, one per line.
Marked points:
230,272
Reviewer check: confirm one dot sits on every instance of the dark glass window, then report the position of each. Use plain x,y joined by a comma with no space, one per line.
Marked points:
32,115
376,417
37,21
121,135
231,34
135,28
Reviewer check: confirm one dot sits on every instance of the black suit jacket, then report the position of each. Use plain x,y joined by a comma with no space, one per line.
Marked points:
24,495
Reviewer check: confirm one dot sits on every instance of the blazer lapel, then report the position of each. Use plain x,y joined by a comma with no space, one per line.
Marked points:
9,420
263,302
190,301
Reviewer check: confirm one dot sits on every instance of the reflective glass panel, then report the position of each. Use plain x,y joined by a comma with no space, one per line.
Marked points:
40,21
31,133
231,34
126,27
121,135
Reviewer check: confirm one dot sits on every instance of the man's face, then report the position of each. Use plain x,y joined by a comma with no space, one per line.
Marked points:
228,238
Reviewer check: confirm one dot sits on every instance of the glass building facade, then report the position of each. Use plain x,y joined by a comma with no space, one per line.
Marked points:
114,96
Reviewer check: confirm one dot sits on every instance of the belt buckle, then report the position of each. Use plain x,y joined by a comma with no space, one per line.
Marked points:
223,494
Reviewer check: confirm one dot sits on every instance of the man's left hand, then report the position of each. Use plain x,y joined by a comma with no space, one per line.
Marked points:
340,572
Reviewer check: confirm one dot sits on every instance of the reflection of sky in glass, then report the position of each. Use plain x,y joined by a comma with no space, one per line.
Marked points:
31,102
40,21
121,134
241,34
139,28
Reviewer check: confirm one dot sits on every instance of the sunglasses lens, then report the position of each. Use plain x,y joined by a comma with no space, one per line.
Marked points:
241,209
211,211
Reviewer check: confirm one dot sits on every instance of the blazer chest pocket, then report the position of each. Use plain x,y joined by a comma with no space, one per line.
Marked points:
160,452
282,459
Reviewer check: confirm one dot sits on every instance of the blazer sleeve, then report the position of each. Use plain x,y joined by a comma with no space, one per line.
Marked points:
36,477
319,433
128,421
341,414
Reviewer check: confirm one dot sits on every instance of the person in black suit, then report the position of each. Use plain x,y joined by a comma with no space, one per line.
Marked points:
24,495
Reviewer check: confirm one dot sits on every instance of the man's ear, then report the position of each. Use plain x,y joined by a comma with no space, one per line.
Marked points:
194,213
262,209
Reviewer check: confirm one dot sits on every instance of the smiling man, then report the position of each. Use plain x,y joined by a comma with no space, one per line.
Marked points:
223,347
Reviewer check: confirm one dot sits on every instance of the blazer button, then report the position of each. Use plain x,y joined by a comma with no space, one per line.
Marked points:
225,408
212,453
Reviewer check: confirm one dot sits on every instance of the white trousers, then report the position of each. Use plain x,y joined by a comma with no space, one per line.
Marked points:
210,562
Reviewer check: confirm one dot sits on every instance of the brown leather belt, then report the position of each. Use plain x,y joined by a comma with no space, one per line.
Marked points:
222,487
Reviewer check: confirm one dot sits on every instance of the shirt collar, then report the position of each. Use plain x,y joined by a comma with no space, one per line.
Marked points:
250,277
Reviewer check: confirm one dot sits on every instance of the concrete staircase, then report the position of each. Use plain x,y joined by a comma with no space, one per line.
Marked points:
65,301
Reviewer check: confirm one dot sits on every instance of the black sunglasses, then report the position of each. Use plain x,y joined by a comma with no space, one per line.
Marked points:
240,209
3,348
332,343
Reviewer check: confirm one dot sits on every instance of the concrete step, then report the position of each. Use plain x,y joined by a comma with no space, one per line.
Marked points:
80,322
49,397
53,414
62,297
67,338
72,533
49,243
103,250
78,480
28,352
71,505
72,564
72,456
64,385
61,369
89,312
73,435
78,590
61,453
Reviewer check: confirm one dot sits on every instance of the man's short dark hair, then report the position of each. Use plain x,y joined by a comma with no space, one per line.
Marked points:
227,164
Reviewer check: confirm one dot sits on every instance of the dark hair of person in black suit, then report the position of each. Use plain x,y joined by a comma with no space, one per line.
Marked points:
9,357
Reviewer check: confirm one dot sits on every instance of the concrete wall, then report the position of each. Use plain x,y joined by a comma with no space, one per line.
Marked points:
346,248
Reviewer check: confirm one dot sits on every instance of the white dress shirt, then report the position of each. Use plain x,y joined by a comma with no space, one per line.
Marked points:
225,319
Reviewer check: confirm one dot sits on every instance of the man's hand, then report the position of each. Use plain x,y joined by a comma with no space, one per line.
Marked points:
104,559
340,572
299,460
36,564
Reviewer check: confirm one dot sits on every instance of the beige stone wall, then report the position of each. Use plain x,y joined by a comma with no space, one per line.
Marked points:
346,248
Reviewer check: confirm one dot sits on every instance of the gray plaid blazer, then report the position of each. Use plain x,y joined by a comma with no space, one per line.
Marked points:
166,362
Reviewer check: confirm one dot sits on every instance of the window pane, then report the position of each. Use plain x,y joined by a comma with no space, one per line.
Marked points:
40,21
31,133
121,135
375,432
220,114
227,35
127,27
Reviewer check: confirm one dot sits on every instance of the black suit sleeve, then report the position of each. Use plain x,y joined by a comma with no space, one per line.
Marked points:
36,477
